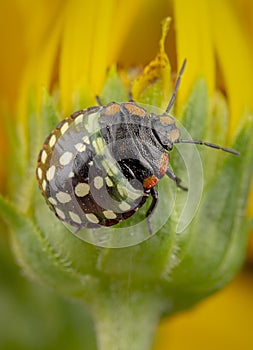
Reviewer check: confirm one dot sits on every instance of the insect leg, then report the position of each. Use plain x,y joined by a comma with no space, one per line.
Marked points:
154,195
176,179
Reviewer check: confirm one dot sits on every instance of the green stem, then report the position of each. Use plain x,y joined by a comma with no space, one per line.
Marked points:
126,323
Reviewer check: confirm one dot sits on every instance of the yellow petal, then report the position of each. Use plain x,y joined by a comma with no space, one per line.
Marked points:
12,59
13,52
38,19
138,23
76,47
39,70
235,58
244,10
93,33
222,322
194,42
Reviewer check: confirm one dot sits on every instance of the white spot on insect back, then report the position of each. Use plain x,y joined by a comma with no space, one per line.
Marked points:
60,213
71,174
75,217
64,128
39,173
124,206
43,156
98,182
50,173
63,197
66,158
108,182
80,147
92,218
98,145
79,119
109,214
82,189
122,190
86,139
113,170
52,200
44,185
52,141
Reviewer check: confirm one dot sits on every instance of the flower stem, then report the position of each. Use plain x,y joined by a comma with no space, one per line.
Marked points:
126,323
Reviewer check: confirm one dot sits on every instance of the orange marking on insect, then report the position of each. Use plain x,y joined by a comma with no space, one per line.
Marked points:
164,163
166,119
150,182
174,135
132,109
112,109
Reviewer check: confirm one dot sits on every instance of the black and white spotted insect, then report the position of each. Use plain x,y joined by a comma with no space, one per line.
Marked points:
99,165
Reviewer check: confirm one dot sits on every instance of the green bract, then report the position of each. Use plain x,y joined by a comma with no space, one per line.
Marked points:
128,290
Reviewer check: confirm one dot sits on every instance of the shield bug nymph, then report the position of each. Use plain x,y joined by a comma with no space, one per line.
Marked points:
99,165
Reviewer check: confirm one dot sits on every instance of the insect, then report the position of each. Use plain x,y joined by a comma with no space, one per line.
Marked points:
99,165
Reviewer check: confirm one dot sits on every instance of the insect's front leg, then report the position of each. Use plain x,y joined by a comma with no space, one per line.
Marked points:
154,202
176,179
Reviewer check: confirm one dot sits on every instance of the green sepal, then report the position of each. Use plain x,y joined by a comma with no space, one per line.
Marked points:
43,261
212,248
114,90
49,116
194,116
170,271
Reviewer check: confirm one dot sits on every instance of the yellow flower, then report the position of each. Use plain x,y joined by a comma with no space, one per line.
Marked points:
224,321
66,48
210,35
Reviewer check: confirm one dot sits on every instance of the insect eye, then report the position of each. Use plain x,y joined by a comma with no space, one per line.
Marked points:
169,147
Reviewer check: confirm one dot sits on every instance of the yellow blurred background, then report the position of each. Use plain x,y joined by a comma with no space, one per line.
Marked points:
31,317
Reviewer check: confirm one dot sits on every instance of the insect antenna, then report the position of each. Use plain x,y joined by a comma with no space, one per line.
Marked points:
98,100
130,97
173,97
208,144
